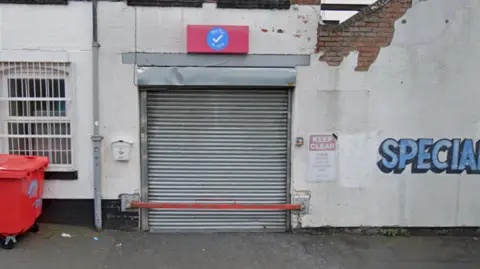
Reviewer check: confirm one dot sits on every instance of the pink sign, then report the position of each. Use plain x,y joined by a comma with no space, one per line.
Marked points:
217,39
322,164
322,143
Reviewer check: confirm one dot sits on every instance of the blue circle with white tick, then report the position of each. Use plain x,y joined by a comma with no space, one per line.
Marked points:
217,38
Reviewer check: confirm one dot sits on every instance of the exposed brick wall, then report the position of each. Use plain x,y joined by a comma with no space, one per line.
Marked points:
367,32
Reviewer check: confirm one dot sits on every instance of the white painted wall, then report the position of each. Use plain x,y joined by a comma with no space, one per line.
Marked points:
163,30
57,33
423,85
63,33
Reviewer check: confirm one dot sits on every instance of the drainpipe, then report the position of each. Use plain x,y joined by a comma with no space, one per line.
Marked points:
96,137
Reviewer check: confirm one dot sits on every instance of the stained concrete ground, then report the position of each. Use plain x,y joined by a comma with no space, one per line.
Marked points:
123,250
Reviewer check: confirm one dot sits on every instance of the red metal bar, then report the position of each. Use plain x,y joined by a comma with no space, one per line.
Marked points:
218,206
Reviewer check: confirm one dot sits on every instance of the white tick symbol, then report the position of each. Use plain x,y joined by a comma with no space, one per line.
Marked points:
217,39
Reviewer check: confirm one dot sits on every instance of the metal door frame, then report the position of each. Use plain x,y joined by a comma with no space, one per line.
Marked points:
139,60
143,212
144,157
289,157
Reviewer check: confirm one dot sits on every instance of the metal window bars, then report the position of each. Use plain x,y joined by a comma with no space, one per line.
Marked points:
36,111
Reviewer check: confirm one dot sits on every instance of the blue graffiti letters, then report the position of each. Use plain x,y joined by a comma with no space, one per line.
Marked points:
389,152
467,158
441,145
452,156
408,151
424,155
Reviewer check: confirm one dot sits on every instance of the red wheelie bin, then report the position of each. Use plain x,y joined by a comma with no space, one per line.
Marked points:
21,192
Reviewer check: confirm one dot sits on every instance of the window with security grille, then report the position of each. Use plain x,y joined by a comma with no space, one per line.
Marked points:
37,112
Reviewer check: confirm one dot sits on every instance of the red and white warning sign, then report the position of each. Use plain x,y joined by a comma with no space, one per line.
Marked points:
323,157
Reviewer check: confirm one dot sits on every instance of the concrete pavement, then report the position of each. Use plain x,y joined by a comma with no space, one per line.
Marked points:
123,250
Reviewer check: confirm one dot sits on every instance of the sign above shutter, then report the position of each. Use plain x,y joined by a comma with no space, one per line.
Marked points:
215,39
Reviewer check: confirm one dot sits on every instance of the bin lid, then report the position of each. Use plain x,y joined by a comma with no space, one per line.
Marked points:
18,167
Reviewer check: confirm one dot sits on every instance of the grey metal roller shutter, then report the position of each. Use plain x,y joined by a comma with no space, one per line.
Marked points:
217,145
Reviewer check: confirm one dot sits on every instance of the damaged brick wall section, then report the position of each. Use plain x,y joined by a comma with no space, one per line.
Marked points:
366,32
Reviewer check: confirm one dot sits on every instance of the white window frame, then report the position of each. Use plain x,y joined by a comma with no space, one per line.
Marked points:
42,71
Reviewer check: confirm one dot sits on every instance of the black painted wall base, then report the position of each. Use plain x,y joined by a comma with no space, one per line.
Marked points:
80,212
